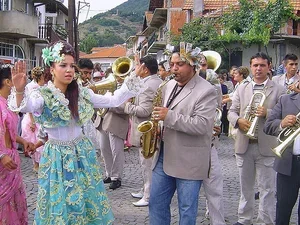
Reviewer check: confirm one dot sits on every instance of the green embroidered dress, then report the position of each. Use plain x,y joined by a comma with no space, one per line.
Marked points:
70,186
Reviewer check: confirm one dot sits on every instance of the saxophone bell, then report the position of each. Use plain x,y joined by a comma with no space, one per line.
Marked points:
150,129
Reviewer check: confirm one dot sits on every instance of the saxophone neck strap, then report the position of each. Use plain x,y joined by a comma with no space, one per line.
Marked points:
175,92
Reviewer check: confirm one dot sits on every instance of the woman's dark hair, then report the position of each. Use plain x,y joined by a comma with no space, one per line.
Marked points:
97,67
72,92
5,73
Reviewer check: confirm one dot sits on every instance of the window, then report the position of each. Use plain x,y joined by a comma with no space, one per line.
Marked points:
11,51
5,5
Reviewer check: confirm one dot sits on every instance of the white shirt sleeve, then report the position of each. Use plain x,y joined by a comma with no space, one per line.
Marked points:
32,102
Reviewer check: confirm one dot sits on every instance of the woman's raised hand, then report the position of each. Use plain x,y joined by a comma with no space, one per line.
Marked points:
19,77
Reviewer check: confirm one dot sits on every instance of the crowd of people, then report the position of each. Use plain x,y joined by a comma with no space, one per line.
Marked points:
65,120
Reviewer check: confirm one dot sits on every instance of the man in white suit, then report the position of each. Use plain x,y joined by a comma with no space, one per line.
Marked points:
140,110
182,161
113,130
254,157
289,79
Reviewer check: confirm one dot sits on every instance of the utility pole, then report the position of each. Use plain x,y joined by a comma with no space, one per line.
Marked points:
76,21
71,24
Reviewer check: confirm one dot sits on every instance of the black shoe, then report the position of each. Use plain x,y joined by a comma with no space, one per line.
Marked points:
237,223
106,180
115,184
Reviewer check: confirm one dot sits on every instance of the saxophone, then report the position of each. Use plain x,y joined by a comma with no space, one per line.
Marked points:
150,128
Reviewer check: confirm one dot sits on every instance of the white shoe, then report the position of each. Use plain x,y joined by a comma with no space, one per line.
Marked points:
137,195
141,203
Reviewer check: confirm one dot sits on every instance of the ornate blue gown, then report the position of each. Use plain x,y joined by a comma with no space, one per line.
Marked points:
70,186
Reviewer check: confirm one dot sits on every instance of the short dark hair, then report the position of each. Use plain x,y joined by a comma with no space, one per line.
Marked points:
85,63
292,57
162,64
260,55
5,73
151,63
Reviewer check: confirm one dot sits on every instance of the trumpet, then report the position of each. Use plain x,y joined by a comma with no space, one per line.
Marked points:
287,136
250,113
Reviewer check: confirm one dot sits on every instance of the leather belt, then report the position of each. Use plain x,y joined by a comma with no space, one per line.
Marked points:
253,141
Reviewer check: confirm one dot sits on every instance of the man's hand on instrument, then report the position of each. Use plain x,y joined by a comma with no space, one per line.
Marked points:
288,121
217,130
244,124
160,113
261,111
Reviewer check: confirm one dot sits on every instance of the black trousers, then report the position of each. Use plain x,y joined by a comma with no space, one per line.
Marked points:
287,193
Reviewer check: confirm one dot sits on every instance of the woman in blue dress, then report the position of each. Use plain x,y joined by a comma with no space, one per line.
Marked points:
70,186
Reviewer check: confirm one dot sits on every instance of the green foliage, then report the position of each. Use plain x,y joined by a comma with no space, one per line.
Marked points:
115,25
108,22
88,43
253,23
201,32
109,39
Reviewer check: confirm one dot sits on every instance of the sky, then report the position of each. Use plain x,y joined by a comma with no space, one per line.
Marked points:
96,6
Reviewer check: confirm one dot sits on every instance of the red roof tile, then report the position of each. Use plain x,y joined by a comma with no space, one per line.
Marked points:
107,52
189,5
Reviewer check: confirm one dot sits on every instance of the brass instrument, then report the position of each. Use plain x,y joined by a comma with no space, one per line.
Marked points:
102,87
213,59
217,120
250,113
287,136
122,67
149,128
288,91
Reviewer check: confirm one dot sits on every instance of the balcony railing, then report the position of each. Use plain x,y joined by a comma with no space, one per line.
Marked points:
52,32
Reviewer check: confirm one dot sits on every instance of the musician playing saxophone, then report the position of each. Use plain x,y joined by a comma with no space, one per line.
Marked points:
254,156
288,165
182,161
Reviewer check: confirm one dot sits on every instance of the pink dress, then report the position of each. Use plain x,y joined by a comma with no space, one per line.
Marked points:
27,133
13,206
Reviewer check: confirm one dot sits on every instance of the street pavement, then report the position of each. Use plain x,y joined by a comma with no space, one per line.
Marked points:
121,200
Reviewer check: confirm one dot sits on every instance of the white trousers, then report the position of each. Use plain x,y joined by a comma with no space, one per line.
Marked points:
213,188
147,174
112,150
252,165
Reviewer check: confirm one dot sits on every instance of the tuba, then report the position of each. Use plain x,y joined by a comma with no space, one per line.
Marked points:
287,136
250,113
149,128
213,59
103,86
122,66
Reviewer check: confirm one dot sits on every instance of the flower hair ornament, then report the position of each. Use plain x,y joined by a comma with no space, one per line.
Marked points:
52,54
187,53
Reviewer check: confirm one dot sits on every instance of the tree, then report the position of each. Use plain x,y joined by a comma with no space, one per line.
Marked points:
254,22
88,43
